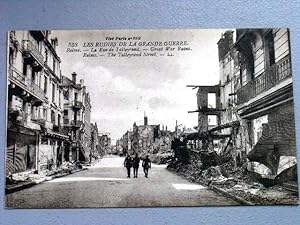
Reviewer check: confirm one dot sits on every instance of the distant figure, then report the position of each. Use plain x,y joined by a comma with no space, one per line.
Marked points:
128,164
146,165
136,164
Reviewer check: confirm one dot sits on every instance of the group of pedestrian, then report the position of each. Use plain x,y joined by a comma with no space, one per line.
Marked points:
135,163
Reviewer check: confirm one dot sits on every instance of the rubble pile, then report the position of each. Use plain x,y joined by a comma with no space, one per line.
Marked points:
235,181
34,177
260,195
17,178
161,158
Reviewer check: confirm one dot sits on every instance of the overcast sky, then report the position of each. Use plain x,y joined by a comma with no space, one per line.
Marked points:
122,89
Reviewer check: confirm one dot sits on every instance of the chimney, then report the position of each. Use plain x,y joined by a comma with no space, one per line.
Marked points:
82,82
74,77
54,43
225,43
145,119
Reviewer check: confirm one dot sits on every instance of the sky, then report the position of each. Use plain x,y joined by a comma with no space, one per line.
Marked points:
122,89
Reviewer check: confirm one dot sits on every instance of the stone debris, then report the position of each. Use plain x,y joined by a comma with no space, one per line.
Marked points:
236,181
18,179
161,158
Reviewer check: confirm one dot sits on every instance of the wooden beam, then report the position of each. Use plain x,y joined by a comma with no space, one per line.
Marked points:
210,111
227,125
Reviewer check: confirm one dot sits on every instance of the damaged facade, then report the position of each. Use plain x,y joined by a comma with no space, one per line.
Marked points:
73,117
147,140
47,112
35,138
104,144
253,104
95,148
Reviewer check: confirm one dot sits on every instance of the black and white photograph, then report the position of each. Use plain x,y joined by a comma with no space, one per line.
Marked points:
150,118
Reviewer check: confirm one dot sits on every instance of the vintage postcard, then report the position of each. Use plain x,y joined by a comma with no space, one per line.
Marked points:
150,118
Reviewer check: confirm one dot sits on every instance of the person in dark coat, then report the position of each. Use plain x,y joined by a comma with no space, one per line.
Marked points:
136,164
128,164
146,165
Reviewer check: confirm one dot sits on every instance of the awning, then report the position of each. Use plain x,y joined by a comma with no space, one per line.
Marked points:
53,134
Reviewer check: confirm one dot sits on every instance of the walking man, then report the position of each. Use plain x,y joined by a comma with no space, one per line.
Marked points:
128,164
136,164
146,165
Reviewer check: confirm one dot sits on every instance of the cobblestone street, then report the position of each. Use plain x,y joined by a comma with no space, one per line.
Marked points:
105,185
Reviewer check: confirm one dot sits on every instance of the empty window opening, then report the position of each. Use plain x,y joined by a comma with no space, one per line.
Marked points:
212,100
212,120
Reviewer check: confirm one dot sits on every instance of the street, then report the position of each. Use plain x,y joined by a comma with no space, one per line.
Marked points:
106,185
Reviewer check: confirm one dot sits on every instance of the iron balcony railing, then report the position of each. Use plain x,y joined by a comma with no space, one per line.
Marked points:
40,121
57,128
25,83
76,123
77,104
29,47
268,79
66,121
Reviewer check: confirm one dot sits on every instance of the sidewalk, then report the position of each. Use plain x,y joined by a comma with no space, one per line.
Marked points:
25,180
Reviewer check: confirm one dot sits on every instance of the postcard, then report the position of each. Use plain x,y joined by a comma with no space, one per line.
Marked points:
150,118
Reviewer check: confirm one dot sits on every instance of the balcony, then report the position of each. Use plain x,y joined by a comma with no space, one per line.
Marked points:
77,104
268,79
72,123
57,128
40,121
26,84
29,48
66,121
76,123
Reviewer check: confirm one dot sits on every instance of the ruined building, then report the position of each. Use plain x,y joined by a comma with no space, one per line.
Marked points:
105,144
86,132
126,142
143,137
254,102
35,138
146,140
74,121
95,148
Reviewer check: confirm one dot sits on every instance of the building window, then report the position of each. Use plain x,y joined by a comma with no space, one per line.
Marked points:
45,114
24,68
58,120
52,116
66,94
40,46
59,99
46,56
54,66
212,120
40,80
53,93
45,84
269,47
33,77
244,76
211,100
